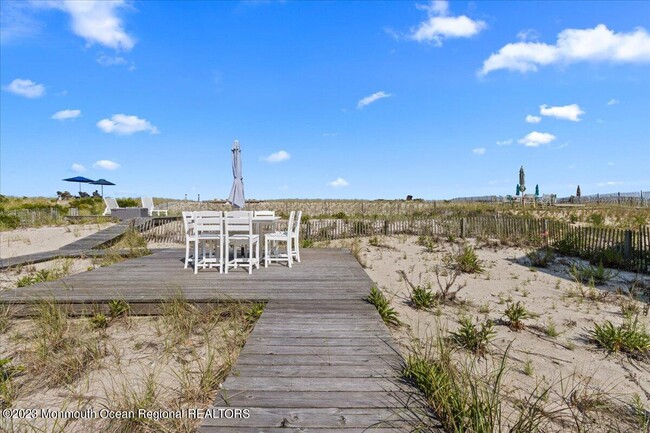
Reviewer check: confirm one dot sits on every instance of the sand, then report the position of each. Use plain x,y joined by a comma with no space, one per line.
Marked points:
37,240
563,361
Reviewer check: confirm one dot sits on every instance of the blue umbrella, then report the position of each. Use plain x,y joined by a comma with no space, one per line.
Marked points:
79,179
102,182
236,197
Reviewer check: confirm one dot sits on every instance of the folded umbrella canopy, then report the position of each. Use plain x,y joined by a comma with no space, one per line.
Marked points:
236,197
79,179
102,182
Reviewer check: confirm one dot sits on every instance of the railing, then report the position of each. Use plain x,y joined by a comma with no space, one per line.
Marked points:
625,249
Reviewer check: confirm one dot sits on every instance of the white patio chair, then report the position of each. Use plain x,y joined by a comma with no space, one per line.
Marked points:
188,226
148,203
274,254
238,229
111,204
295,236
208,228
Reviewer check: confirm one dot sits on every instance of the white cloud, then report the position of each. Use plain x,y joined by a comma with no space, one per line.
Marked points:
105,60
66,114
440,25
97,21
569,112
339,182
535,138
372,98
533,119
479,151
610,183
123,124
277,157
507,142
599,44
78,168
106,164
330,134
613,102
26,88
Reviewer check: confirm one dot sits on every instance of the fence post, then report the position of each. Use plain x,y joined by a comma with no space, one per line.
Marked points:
308,234
463,228
385,227
627,245
545,231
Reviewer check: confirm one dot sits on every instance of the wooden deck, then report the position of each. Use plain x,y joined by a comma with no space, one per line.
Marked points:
319,359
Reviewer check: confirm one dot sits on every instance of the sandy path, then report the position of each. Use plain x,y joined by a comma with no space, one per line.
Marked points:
36,240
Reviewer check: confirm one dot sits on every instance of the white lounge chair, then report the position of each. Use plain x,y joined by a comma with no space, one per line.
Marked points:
274,254
110,203
148,203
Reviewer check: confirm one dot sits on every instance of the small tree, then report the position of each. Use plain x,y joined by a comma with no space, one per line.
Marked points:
578,193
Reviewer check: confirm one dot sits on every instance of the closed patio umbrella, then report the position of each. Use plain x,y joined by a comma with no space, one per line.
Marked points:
236,197
79,179
102,182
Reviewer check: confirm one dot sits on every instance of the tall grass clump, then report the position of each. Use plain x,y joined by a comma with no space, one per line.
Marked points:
59,270
541,258
631,337
515,313
464,398
382,304
467,261
599,275
473,337
62,350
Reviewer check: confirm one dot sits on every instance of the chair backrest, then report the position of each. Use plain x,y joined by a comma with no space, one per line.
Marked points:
238,222
188,222
147,202
295,231
111,203
208,222
259,213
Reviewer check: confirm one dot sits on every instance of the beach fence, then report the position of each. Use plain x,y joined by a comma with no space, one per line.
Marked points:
36,217
617,248
639,198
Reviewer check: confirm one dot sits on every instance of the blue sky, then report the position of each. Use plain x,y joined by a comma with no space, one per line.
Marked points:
328,99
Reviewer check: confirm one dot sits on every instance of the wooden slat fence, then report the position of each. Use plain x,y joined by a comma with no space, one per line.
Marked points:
626,249
37,217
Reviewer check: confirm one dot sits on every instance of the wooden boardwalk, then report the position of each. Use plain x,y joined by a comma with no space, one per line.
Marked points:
86,246
319,359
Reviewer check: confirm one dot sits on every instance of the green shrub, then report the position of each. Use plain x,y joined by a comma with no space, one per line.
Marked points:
128,202
467,261
422,297
597,220
387,313
568,245
592,274
473,338
515,313
9,222
99,321
541,258
118,307
630,337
